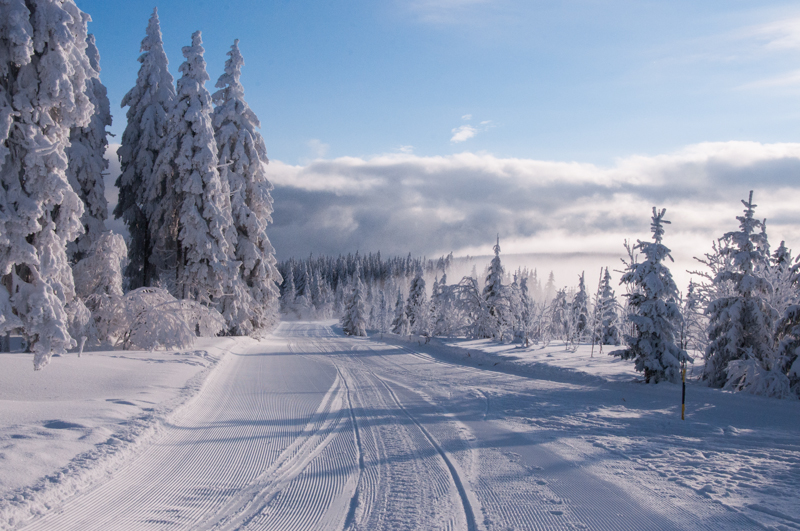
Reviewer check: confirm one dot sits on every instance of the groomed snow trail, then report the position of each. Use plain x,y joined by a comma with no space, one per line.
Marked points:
311,430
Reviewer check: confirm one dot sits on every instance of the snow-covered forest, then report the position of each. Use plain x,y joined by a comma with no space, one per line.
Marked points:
193,194
195,197
738,318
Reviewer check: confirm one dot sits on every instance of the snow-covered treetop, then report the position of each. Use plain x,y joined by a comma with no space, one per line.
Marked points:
782,257
748,249
154,71
653,277
657,228
232,107
92,52
229,81
494,278
746,238
194,67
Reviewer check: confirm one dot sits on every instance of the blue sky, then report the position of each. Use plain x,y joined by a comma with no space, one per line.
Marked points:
562,80
431,126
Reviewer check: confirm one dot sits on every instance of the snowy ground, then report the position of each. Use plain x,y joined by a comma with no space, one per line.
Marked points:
312,430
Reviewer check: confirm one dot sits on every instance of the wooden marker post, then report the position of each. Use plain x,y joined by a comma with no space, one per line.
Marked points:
683,391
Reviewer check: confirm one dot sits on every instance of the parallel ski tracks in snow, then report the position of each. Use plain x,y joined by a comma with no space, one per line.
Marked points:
456,478
335,433
259,423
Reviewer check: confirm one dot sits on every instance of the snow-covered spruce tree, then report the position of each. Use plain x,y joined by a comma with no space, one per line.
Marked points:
608,313
447,318
549,292
383,313
315,292
496,300
782,277
559,309
288,291
580,310
417,305
87,162
653,310
513,294
16,49
474,311
695,322
200,226
303,303
400,324
354,318
595,318
741,354
149,103
433,307
43,74
788,332
526,311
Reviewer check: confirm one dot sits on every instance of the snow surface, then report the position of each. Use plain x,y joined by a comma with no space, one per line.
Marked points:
312,429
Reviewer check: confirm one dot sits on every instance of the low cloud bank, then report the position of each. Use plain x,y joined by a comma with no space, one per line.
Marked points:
400,203
433,205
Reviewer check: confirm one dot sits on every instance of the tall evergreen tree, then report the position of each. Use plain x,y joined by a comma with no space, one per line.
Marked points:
195,213
527,306
653,310
149,103
288,291
741,325
383,313
694,320
400,323
607,312
87,162
493,294
559,307
550,288
580,310
354,318
417,305
43,75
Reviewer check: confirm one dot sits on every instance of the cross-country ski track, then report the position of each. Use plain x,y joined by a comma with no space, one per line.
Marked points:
312,430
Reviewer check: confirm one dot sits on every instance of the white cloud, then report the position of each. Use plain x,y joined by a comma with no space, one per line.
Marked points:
462,133
399,203
467,117
791,79
783,34
318,148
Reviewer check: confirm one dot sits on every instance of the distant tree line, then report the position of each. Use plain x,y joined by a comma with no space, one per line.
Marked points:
740,315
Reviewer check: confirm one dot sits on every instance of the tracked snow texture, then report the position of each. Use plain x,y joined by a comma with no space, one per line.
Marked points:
311,429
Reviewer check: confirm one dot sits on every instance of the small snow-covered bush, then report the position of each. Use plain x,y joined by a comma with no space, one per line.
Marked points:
98,283
149,318
748,375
